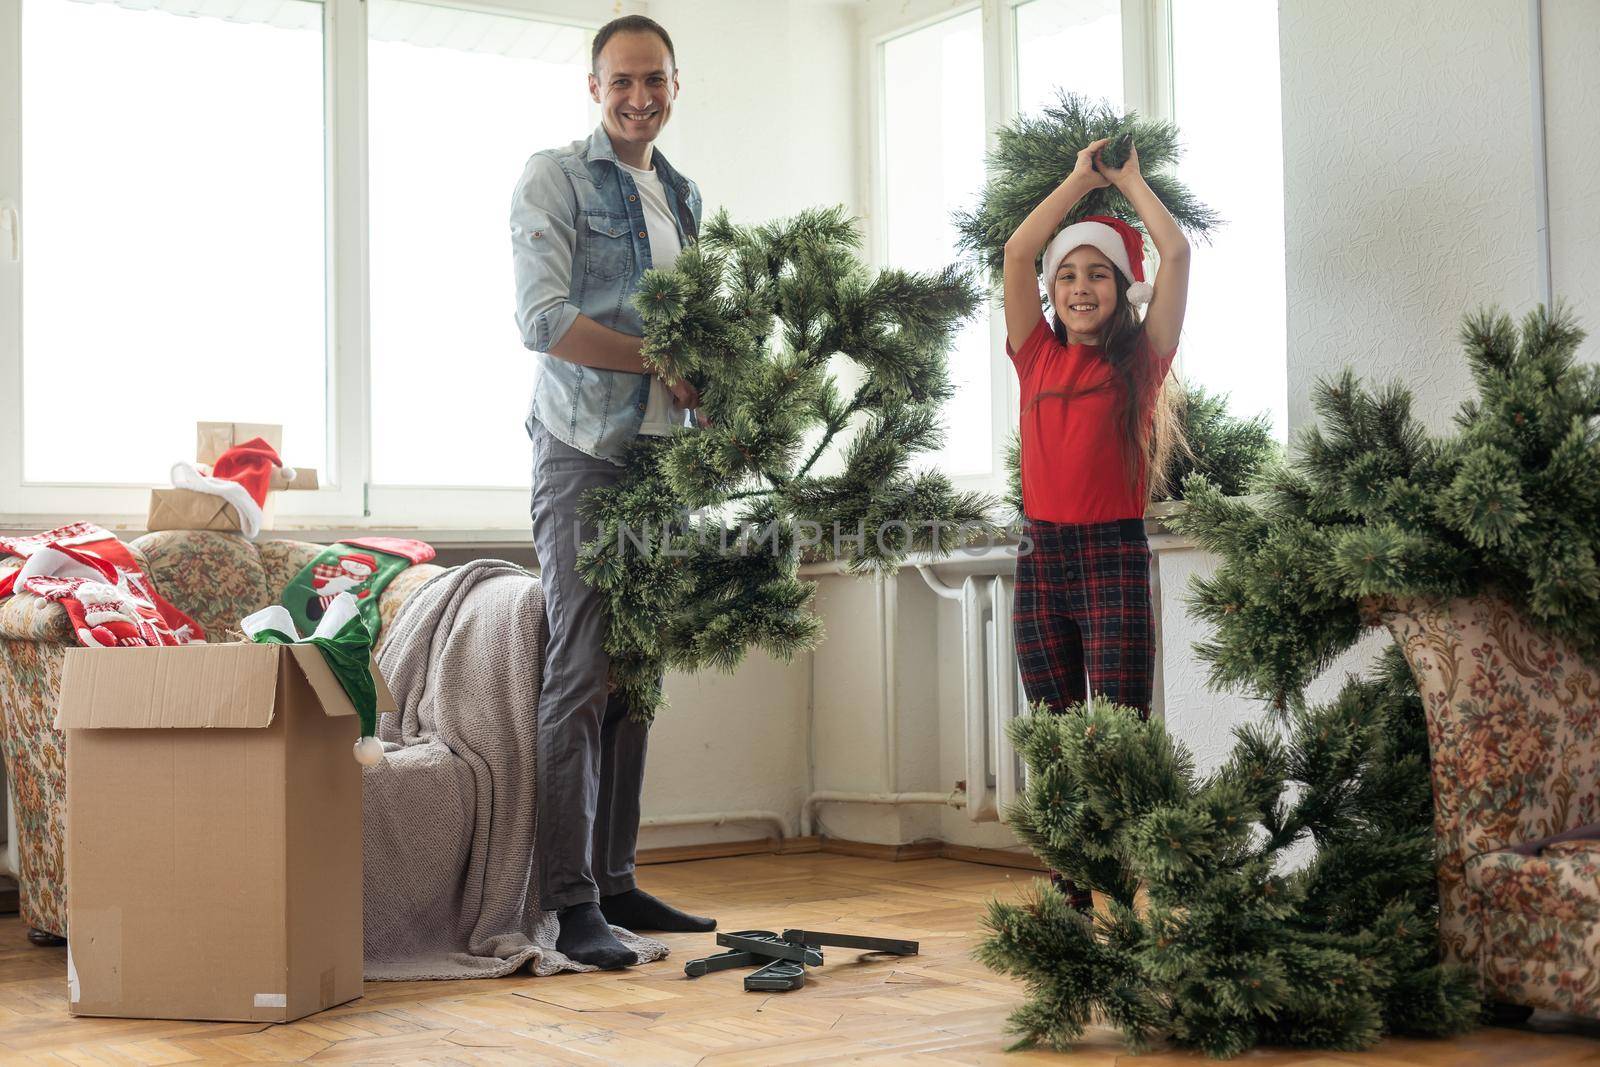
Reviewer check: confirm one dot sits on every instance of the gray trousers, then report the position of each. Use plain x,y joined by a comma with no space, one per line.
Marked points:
591,756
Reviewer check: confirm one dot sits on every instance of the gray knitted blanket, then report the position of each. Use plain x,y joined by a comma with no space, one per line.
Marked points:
450,888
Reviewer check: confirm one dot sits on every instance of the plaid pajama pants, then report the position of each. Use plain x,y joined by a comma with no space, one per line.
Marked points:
1084,623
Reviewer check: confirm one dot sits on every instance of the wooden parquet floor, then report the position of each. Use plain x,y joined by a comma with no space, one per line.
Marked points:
937,1008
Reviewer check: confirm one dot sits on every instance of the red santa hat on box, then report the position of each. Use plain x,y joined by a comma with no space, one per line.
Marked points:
1116,240
240,476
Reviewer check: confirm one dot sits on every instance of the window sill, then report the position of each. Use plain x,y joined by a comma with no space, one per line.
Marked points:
440,537
470,537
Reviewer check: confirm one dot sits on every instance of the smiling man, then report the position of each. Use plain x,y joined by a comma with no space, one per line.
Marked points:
586,221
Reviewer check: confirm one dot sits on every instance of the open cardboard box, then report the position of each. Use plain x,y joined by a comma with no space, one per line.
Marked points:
213,832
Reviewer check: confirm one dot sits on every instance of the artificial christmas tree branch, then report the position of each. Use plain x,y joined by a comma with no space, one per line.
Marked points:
1374,507
1232,949
752,317
1035,153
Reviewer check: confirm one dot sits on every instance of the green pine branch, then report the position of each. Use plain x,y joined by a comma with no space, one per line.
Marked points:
754,317
1228,949
1035,153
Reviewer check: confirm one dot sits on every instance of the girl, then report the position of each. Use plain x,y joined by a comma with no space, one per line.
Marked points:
1097,429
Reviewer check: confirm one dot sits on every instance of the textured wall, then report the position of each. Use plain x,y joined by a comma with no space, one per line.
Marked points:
1572,117
1196,716
1408,174
769,106
729,743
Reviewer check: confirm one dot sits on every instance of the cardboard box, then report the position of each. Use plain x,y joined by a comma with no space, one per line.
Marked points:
212,439
304,478
213,832
187,509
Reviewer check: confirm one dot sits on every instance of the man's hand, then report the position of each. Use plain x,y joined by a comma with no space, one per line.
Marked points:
686,395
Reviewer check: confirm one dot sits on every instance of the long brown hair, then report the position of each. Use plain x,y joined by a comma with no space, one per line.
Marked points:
1147,445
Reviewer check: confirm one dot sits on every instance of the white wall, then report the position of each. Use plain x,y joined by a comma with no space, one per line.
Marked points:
1572,117
769,105
1408,178
730,743
765,124
1409,181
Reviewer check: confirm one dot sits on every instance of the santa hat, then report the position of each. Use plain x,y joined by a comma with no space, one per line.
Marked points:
241,476
361,560
1112,238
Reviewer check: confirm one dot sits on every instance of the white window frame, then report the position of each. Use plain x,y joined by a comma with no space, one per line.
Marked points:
1147,88
348,500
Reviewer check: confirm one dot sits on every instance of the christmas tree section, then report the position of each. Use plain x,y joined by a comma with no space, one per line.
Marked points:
1207,941
796,348
1372,512
1477,551
1375,507
1034,155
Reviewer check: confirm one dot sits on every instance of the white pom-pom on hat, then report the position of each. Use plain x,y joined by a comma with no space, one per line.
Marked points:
369,751
1141,293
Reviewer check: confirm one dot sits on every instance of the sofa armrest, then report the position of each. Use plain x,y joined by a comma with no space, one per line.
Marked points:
25,617
398,592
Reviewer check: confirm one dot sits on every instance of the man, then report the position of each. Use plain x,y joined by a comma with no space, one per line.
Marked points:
587,220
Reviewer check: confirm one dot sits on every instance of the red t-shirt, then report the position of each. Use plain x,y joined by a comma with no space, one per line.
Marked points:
1072,462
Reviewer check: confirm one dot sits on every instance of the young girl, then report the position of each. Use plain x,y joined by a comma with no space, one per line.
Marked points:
1097,430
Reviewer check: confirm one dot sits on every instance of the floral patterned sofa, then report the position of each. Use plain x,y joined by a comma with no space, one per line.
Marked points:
217,578
1514,729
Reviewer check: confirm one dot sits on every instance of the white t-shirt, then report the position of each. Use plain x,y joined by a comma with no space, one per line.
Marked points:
661,414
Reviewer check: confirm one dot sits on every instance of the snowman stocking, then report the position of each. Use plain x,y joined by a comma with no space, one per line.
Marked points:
362,567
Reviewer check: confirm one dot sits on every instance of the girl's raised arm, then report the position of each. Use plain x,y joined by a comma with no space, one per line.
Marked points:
1023,247
1163,322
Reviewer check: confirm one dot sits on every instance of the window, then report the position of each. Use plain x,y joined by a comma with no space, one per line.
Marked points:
1165,58
291,212
933,147
1074,45
1234,337
175,235
458,100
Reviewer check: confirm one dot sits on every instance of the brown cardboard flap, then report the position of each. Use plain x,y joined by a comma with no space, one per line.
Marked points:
330,694
186,509
305,478
182,687
212,439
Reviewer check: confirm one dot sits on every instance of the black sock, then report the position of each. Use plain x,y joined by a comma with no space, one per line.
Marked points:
638,910
587,938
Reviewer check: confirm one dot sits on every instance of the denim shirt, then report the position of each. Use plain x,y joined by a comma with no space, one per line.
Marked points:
578,246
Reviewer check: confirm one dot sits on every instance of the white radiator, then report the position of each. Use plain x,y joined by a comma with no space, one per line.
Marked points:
993,690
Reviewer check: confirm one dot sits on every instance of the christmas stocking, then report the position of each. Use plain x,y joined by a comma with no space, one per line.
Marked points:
361,566
346,646
94,577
